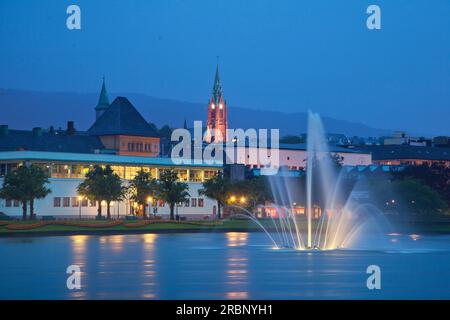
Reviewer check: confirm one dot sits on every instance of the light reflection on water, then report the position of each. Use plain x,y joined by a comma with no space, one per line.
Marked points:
149,274
237,266
232,265
78,245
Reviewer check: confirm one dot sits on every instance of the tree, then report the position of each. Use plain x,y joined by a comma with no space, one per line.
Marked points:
171,191
254,190
25,183
259,192
436,176
113,189
216,188
406,196
38,184
165,132
102,184
142,187
417,197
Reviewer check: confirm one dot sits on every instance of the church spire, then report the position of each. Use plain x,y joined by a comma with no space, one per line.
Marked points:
217,88
103,101
217,121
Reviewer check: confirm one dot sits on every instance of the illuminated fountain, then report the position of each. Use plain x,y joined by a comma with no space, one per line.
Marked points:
342,220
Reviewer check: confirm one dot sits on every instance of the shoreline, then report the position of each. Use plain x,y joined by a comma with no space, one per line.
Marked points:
118,232
60,233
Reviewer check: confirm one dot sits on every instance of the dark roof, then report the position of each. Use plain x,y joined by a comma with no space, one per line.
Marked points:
45,141
391,152
121,118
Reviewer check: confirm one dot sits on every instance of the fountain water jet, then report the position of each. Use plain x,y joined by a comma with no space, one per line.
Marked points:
343,221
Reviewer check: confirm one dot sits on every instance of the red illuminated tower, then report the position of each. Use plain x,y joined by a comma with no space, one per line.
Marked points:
217,113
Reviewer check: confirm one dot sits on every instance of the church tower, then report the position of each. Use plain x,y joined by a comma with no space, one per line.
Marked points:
103,102
217,113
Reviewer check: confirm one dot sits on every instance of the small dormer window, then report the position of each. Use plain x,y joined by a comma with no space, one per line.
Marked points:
220,106
213,106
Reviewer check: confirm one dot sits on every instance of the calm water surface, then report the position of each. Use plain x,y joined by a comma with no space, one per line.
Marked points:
218,266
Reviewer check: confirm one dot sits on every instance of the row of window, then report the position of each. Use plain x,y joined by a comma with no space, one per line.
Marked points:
61,170
142,147
11,203
194,202
67,202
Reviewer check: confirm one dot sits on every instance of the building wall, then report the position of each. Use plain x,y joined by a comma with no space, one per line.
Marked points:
295,159
67,188
132,145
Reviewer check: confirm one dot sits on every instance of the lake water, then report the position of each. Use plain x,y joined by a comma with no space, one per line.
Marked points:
218,266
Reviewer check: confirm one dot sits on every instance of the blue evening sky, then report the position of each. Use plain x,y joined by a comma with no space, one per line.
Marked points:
279,55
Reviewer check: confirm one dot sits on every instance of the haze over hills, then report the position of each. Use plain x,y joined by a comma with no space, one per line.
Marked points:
44,109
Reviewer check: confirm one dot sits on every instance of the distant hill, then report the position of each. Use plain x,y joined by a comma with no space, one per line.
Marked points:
26,109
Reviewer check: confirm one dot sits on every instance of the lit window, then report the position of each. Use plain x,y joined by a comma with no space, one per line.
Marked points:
66,202
75,202
213,106
220,106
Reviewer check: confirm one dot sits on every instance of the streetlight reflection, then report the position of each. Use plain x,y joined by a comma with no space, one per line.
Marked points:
237,266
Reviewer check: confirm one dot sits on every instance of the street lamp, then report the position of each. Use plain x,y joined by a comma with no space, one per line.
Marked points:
232,199
242,199
80,198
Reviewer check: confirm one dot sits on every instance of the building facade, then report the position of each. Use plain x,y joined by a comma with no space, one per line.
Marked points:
294,156
408,155
67,171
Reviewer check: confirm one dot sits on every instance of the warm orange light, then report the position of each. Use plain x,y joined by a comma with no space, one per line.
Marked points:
149,199
232,199
242,199
80,198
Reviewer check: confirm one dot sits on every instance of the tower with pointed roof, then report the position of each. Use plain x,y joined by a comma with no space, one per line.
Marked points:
217,121
103,101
